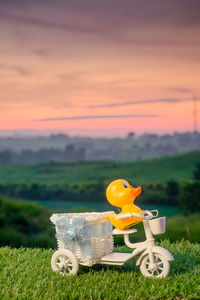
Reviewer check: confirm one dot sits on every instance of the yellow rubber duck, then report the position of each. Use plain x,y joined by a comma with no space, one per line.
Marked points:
121,194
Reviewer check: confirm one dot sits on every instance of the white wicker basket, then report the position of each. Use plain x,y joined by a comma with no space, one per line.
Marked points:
101,244
158,225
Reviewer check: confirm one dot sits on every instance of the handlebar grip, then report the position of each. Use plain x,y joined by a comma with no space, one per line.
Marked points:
124,216
130,215
148,213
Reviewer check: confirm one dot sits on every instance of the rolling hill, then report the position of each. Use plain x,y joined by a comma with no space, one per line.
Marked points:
179,167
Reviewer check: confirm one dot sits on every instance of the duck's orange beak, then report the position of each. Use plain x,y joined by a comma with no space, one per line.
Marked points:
136,191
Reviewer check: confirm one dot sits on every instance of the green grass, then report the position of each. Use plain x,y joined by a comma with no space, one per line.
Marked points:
26,274
178,167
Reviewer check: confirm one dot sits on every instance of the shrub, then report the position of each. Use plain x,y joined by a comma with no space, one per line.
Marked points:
23,223
189,200
197,172
173,191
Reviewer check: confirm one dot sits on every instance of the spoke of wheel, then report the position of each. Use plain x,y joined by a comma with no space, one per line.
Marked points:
147,263
61,258
70,270
59,263
67,260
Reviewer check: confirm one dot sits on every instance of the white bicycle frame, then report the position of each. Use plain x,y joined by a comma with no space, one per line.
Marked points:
146,247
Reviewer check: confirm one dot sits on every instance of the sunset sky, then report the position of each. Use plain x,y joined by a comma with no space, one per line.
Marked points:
99,67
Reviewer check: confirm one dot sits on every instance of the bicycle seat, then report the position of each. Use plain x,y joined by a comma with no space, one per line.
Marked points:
128,231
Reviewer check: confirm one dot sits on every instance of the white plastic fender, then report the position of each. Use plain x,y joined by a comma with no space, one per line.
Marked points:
156,249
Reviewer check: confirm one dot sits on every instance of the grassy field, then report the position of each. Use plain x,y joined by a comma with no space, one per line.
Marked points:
26,274
178,167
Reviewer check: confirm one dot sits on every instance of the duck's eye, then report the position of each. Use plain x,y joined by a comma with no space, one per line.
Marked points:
125,185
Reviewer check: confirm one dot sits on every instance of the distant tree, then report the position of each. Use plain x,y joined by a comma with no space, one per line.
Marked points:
197,172
173,191
72,153
159,186
7,157
170,149
189,200
147,146
160,150
149,137
80,153
165,137
130,135
26,157
150,186
58,136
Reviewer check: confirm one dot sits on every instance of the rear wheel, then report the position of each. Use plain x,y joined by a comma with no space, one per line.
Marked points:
65,262
160,268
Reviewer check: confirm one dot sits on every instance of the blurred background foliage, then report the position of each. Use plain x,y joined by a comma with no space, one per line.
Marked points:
29,194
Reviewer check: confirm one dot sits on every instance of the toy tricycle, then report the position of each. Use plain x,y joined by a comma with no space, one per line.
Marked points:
87,239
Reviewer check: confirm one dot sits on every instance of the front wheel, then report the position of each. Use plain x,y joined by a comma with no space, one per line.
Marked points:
160,268
65,262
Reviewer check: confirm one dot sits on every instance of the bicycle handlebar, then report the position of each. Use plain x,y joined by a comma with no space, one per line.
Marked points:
130,215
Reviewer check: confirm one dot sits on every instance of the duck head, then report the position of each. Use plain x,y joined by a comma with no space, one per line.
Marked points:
120,193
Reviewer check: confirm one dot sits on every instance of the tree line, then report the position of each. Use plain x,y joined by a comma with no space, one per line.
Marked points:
162,194
184,195
29,157
32,150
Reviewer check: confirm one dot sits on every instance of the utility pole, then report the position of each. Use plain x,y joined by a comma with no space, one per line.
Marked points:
195,114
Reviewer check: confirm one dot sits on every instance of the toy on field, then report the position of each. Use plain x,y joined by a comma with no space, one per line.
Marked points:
87,239
121,194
